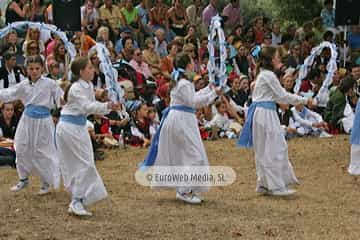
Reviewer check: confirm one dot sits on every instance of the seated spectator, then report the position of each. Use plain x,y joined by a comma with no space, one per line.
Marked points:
242,61
99,77
89,18
32,49
167,62
96,141
12,43
334,112
53,69
124,33
10,74
177,18
128,50
295,57
140,127
239,92
33,34
154,121
8,121
37,11
104,37
111,16
86,42
139,65
151,57
160,43
61,57
76,40
164,94
17,10
132,21
190,49
158,16
222,121
120,122
8,125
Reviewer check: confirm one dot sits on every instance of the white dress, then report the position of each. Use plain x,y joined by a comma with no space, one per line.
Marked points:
180,142
354,167
74,147
273,168
34,138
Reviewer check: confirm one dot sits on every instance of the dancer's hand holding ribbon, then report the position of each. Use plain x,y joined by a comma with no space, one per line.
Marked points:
311,103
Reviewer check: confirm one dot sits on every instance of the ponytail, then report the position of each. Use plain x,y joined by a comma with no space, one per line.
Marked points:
76,66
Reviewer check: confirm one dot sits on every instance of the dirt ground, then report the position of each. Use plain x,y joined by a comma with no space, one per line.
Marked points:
326,205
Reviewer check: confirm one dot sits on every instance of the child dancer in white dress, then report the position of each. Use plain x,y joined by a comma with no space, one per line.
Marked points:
34,138
354,167
262,128
177,141
73,141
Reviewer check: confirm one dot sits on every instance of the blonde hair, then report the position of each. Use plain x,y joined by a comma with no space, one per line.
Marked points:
100,31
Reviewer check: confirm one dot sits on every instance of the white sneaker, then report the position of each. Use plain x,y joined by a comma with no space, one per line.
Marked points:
78,209
282,192
324,134
19,186
45,189
189,198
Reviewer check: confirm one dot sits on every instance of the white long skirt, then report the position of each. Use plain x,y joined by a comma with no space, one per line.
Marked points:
354,167
180,144
77,163
273,168
35,148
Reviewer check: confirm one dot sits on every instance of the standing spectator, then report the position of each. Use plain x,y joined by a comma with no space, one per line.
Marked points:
234,15
328,14
209,12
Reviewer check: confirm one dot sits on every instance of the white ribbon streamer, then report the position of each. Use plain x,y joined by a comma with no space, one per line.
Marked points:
217,74
323,95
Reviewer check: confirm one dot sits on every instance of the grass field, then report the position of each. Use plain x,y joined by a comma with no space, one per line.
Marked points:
326,205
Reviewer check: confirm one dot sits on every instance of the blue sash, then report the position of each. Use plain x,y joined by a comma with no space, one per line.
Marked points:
355,131
246,137
303,113
151,157
35,111
79,120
